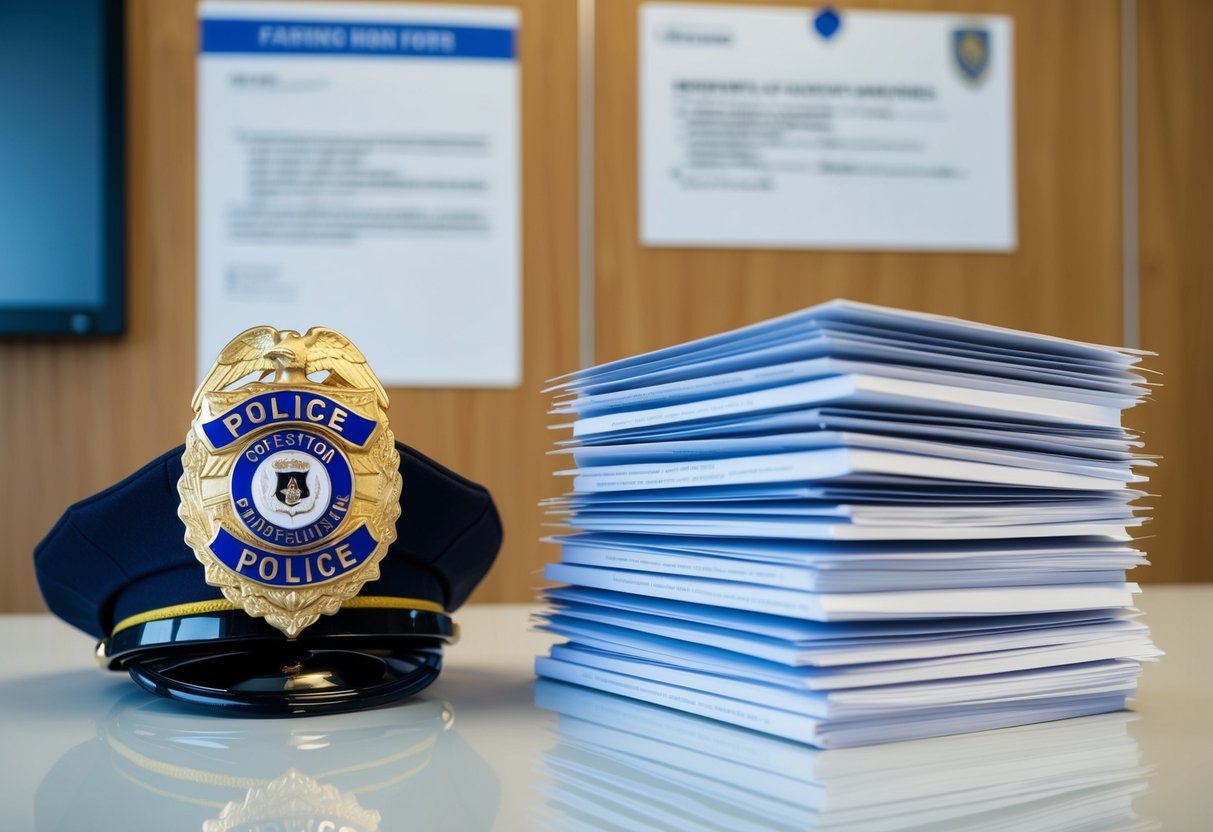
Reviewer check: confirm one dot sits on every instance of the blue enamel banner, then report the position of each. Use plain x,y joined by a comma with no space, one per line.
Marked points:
363,38
264,567
286,406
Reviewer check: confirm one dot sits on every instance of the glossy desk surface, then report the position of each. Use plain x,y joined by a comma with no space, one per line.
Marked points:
81,748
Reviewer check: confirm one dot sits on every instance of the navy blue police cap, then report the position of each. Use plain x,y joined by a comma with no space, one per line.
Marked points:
117,567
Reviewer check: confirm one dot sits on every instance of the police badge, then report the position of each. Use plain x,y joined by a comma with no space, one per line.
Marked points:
290,491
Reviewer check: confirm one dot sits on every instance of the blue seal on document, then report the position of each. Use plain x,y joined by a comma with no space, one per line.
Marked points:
827,22
971,49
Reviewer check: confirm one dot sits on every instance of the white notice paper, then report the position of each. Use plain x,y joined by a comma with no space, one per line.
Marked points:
798,128
358,168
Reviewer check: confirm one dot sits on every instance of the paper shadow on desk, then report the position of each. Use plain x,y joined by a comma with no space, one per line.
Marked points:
153,766
619,763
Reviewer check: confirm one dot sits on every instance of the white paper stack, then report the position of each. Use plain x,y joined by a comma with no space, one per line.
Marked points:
623,764
852,525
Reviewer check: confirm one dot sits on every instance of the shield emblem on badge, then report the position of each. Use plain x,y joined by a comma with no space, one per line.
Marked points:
292,488
971,48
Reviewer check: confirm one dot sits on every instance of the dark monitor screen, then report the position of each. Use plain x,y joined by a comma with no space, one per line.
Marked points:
61,167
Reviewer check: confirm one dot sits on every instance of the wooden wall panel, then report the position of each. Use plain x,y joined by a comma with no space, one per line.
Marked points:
78,415
1175,134
1064,278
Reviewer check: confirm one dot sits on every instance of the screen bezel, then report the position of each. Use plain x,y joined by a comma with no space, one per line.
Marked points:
109,316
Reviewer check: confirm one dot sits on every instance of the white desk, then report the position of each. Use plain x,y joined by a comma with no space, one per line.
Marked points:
85,749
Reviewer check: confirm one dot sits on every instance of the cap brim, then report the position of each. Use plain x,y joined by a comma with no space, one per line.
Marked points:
247,668
289,681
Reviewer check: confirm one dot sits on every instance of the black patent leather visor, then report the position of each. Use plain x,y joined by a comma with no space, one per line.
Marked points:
357,659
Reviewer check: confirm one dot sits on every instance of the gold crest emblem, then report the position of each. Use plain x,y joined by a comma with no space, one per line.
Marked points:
291,487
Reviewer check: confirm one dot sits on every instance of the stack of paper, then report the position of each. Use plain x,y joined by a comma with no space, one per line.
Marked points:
854,524
623,764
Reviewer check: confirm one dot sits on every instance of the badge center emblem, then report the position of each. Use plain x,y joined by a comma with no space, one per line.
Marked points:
290,498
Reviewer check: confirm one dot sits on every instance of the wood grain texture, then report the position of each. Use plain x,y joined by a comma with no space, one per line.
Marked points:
1064,279
89,412
1175,118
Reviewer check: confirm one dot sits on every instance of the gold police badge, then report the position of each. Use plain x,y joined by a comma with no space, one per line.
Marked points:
291,487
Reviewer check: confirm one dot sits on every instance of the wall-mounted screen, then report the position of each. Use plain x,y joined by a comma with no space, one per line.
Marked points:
61,167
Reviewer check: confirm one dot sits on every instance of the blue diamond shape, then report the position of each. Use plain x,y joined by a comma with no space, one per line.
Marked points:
827,23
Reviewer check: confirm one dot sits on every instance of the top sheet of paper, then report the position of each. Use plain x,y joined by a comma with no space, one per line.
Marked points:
940,334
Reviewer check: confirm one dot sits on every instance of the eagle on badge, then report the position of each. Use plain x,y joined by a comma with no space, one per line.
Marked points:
265,350
291,486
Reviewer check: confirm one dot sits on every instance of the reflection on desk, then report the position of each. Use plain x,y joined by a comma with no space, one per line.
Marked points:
156,766
624,764
500,763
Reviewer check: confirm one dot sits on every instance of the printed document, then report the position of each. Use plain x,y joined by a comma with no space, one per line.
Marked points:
789,128
358,168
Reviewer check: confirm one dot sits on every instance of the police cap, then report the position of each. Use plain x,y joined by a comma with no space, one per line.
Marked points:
291,556
116,567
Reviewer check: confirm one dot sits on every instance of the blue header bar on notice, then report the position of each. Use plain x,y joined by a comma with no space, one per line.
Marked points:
364,38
